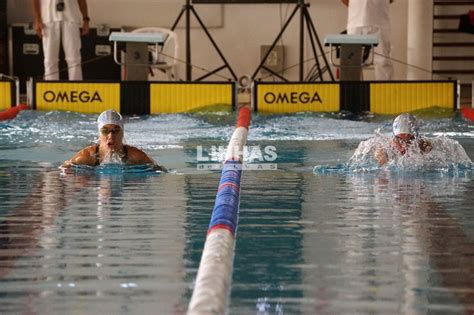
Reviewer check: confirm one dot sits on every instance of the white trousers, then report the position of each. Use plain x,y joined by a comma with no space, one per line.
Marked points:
69,34
382,64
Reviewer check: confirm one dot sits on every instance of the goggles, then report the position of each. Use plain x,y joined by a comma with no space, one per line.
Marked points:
105,131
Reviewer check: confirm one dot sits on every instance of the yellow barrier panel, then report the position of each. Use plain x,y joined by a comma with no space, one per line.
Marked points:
79,97
5,95
291,98
395,98
190,97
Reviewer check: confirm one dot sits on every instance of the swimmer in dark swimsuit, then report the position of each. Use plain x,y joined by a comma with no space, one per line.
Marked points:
123,157
110,147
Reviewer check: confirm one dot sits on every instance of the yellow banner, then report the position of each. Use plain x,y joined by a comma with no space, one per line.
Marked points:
190,97
79,97
5,95
397,97
291,98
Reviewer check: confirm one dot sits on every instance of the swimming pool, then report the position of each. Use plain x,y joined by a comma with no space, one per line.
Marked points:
333,242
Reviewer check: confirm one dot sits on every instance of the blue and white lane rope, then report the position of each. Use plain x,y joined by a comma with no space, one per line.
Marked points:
211,291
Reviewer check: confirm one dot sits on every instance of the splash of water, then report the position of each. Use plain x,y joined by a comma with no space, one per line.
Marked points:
112,157
446,155
363,158
111,169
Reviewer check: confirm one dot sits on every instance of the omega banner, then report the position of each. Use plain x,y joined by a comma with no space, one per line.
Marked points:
134,98
143,98
284,97
82,97
182,97
390,98
6,95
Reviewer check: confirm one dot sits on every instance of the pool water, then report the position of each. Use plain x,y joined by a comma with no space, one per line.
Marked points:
315,235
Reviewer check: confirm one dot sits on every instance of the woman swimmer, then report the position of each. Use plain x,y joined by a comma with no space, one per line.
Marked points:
110,147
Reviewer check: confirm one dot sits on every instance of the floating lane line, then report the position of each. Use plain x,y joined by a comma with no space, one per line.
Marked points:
211,291
12,112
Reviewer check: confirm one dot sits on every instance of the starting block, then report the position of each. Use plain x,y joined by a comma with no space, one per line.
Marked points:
136,58
351,46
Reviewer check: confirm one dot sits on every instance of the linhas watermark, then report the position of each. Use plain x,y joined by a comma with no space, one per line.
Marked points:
255,158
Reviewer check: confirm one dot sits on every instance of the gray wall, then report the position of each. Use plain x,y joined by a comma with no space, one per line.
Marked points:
239,30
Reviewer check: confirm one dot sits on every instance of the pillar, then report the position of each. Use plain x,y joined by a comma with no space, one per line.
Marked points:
419,39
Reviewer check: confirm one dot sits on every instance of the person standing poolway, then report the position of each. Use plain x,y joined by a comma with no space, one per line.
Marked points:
56,22
405,135
371,17
110,147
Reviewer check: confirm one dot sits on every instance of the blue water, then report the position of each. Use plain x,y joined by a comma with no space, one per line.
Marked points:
315,236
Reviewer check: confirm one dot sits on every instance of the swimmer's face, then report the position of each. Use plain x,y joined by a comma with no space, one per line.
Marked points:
112,136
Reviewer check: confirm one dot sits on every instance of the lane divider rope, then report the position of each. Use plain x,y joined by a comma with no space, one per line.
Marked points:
211,290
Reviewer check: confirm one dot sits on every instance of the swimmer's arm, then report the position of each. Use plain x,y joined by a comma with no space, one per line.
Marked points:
84,157
158,167
381,156
137,156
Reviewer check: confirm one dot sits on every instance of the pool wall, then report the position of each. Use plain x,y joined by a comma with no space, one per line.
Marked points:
144,98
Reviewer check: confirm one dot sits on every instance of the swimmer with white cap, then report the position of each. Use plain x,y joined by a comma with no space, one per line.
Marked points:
405,133
110,147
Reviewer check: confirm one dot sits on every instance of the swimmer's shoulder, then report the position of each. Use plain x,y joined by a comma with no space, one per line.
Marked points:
87,156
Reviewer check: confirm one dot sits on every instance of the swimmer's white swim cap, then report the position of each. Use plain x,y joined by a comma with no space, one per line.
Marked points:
405,124
110,117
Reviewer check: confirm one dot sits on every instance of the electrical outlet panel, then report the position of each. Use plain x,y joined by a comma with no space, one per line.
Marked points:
275,60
